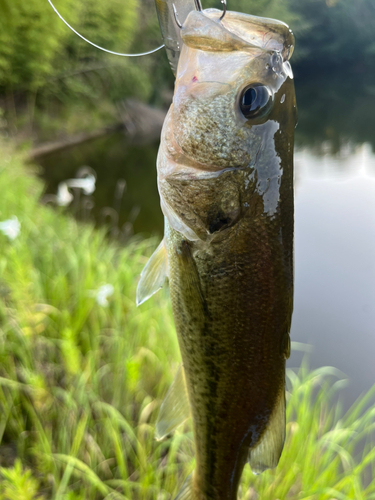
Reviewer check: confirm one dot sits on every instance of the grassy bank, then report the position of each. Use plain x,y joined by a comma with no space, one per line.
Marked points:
82,376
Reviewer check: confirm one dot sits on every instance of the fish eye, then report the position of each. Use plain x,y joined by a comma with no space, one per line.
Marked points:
255,100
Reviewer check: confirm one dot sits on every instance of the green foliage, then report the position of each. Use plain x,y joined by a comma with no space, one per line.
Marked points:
46,70
36,46
4,8
31,40
81,379
327,454
80,384
111,24
18,484
334,32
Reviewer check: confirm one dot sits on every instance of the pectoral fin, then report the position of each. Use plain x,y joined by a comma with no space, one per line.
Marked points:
175,408
267,453
153,275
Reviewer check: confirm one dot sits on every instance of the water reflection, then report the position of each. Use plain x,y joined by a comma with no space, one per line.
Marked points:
114,160
350,161
335,262
338,108
335,226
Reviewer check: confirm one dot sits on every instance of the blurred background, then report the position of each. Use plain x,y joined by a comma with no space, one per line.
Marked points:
88,124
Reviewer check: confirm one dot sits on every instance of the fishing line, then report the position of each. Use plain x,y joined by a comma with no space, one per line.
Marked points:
98,46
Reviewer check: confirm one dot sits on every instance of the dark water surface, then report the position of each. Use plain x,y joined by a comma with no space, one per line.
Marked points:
334,216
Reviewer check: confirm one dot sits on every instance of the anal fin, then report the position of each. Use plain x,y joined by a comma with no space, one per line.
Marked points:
187,491
175,408
266,454
153,275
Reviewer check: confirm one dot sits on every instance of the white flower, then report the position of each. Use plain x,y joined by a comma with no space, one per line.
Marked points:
87,184
64,197
11,227
102,294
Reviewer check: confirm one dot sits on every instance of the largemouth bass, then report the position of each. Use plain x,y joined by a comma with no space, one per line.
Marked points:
225,177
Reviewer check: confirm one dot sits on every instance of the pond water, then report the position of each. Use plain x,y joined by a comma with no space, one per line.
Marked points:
335,262
334,216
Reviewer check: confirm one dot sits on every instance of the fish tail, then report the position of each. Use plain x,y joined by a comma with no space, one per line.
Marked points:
187,492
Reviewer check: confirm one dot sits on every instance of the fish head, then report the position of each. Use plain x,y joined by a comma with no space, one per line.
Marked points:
231,77
234,96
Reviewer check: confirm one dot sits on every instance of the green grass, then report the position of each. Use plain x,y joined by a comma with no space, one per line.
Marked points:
80,383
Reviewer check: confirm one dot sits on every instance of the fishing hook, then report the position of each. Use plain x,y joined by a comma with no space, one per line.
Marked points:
199,9
224,2
98,46
175,16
